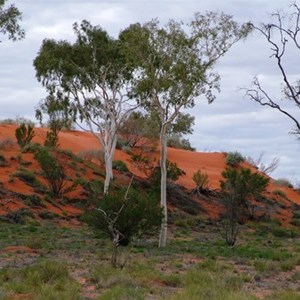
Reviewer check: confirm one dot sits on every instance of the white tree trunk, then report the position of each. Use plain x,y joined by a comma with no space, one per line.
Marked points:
163,188
109,143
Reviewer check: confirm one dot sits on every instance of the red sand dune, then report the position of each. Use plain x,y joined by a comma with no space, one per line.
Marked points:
211,163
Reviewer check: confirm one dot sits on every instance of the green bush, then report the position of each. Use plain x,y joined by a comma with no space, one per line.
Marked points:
175,141
24,134
283,182
201,180
280,193
233,159
141,215
19,216
120,165
238,188
51,140
29,178
53,170
173,173
34,201
92,155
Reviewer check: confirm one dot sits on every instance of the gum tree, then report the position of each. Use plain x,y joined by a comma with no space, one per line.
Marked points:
174,67
91,74
9,18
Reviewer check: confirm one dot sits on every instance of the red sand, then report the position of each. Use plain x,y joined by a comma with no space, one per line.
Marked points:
211,163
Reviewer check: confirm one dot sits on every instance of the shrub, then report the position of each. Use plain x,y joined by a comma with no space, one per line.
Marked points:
3,161
141,215
283,182
233,159
53,171
201,180
280,193
34,201
238,189
143,162
51,140
92,155
31,148
120,165
173,173
24,134
17,121
28,177
123,218
19,216
6,144
175,141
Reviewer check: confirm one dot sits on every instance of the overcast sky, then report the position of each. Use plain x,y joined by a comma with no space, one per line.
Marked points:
231,123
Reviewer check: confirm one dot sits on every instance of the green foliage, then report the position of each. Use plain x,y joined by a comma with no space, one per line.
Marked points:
9,18
24,134
139,129
120,165
53,170
58,111
51,140
141,215
173,173
90,155
238,189
283,182
280,193
201,179
29,177
233,159
34,201
44,279
19,216
176,141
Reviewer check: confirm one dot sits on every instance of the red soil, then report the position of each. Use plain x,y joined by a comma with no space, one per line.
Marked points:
211,163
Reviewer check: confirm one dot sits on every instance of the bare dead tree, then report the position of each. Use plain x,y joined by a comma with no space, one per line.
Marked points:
283,37
264,168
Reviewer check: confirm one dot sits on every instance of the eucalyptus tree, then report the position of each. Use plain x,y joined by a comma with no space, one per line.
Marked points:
282,34
174,65
92,76
9,18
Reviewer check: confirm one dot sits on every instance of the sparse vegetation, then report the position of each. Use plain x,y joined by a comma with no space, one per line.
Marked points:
53,171
120,165
201,180
283,182
233,159
239,189
24,134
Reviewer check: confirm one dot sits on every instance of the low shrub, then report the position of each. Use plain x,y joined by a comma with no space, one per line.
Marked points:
24,134
34,201
19,216
53,171
283,182
92,155
28,177
233,159
6,144
201,180
140,215
120,165
280,193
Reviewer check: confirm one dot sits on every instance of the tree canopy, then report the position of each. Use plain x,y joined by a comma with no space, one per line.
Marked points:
174,66
9,21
